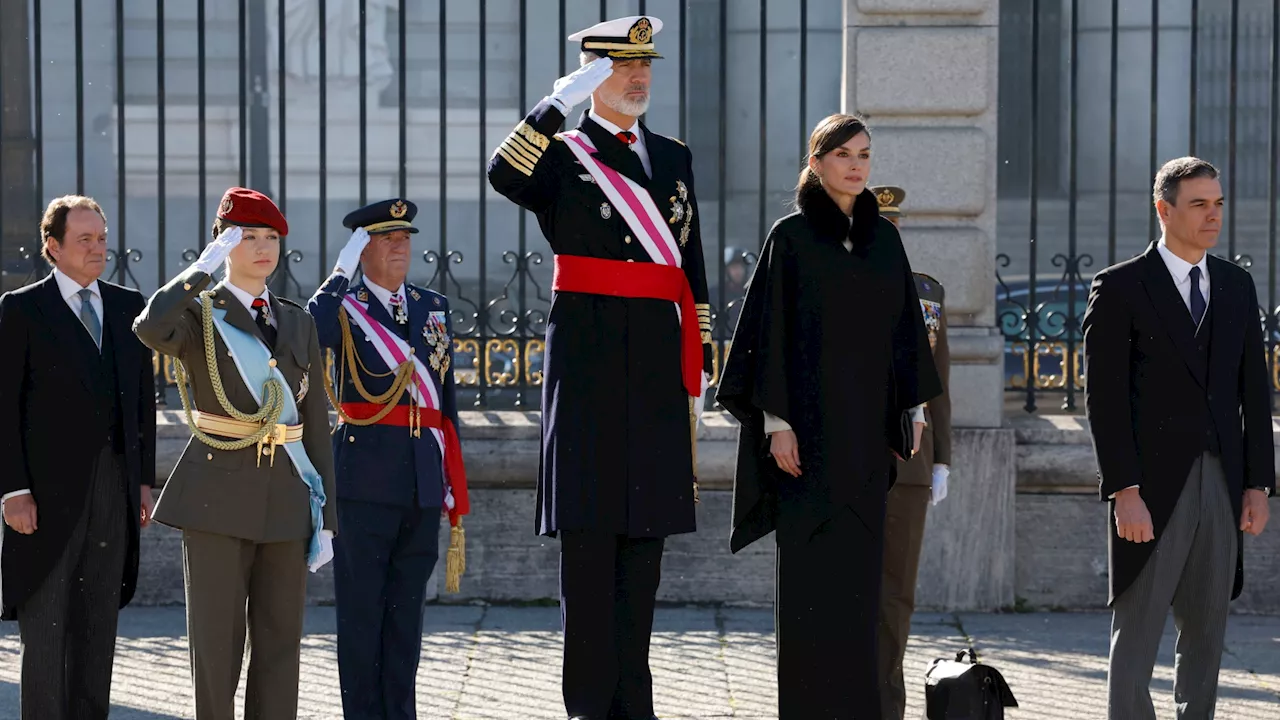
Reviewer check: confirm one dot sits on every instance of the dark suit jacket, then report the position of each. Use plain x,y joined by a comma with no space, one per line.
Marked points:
53,434
1147,386
231,492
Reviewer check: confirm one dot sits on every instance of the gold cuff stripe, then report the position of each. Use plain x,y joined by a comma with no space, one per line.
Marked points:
531,157
514,161
533,136
523,144
597,45
706,337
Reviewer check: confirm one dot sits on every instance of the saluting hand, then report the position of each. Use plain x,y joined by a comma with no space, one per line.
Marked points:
217,251
349,258
785,451
20,513
1133,521
1255,513
578,85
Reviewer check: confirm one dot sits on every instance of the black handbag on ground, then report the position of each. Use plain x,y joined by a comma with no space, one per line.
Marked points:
959,690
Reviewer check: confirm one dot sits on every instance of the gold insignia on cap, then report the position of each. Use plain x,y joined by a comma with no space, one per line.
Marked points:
226,206
399,209
885,198
641,32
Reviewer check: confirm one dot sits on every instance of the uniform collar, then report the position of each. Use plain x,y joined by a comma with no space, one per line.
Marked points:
383,294
68,287
1180,269
246,299
614,129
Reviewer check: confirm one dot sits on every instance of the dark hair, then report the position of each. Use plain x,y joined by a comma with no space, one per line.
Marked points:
1172,173
830,133
54,223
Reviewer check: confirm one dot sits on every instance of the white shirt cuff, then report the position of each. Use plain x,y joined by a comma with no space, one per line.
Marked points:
917,414
773,424
564,109
15,493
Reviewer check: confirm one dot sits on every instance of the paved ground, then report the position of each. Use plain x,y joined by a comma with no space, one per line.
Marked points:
503,663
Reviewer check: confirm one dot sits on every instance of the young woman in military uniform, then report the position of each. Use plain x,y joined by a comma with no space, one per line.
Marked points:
252,492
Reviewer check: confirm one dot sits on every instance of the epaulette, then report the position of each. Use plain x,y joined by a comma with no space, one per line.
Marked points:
675,140
421,293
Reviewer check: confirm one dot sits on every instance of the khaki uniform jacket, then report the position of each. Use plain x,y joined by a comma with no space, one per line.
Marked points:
231,492
935,443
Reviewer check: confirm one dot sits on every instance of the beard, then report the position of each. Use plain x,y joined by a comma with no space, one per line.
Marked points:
621,103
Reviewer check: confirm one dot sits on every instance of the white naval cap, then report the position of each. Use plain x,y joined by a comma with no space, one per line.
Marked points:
624,38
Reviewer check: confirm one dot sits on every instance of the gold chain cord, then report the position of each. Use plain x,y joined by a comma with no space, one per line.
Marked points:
272,390
388,400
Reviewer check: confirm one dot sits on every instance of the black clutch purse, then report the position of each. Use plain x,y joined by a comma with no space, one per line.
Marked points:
959,690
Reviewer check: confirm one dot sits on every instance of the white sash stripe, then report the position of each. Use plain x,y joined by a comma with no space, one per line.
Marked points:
585,150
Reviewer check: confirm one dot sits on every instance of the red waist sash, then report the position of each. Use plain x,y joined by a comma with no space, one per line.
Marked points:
619,278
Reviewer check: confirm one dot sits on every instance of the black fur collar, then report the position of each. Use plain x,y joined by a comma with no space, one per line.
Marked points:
829,222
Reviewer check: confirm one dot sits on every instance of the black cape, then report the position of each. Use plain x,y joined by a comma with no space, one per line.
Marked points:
832,341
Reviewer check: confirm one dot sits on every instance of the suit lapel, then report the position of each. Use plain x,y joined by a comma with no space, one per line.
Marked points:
64,325
1173,312
1226,309
237,314
613,152
121,327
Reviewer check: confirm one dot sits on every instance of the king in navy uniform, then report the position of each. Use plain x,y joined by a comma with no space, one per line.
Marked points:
628,352
396,453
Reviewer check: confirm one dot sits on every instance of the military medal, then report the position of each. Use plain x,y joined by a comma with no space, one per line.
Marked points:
401,314
606,212
303,386
436,335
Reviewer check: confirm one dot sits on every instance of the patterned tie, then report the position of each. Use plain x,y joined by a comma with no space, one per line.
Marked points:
260,318
1197,299
626,137
89,317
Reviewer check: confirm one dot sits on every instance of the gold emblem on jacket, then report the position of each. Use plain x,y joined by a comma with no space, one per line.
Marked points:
681,210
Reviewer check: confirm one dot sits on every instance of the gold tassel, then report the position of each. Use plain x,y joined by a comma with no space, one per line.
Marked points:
456,559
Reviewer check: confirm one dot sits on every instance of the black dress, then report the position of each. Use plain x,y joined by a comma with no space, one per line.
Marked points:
831,340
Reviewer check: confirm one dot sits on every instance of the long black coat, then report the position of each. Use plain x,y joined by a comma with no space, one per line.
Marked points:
833,342
48,414
616,435
1151,400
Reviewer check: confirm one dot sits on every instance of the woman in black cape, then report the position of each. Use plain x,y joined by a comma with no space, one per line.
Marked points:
829,360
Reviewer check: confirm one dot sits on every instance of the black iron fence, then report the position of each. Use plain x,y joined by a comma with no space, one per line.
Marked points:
1107,92
154,107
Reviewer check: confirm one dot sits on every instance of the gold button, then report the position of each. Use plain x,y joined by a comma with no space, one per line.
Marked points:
627,239
186,286
413,350
266,451
271,362
351,438
209,456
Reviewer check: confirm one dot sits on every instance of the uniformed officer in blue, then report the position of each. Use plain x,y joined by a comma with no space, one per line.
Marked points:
396,455
628,350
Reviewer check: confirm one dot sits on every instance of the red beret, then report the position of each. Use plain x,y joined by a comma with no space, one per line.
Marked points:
250,208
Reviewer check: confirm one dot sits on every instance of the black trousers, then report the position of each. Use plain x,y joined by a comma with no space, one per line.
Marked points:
826,613
68,625
607,588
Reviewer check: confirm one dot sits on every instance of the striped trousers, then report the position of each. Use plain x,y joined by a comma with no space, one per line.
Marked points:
1193,569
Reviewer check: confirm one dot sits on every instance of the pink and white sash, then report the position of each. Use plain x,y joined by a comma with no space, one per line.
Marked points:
394,351
630,199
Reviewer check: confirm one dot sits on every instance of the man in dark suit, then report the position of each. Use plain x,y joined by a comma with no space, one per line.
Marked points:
77,401
397,456
628,345
1179,404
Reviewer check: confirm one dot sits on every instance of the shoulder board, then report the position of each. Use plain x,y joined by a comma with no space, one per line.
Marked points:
675,140
426,294
287,301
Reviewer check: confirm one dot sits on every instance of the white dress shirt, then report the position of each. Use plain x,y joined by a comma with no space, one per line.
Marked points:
70,291
637,147
1181,271
247,300
384,295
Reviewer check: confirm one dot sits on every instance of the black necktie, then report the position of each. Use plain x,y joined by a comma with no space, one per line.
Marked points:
260,318
1197,299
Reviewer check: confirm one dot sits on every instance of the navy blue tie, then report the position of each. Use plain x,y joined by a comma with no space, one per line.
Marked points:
1197,299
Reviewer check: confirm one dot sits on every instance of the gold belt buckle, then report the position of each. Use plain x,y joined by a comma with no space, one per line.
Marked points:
271,440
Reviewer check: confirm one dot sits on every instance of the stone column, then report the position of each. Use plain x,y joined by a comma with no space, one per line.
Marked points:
924,73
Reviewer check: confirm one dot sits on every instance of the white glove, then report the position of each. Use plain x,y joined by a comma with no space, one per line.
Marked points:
578,85
939,490
217,251
349,258
702,396
326,550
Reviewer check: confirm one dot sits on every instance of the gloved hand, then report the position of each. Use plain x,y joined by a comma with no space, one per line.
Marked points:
326,550
939,490
702,397
578,85
217,251
349,258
